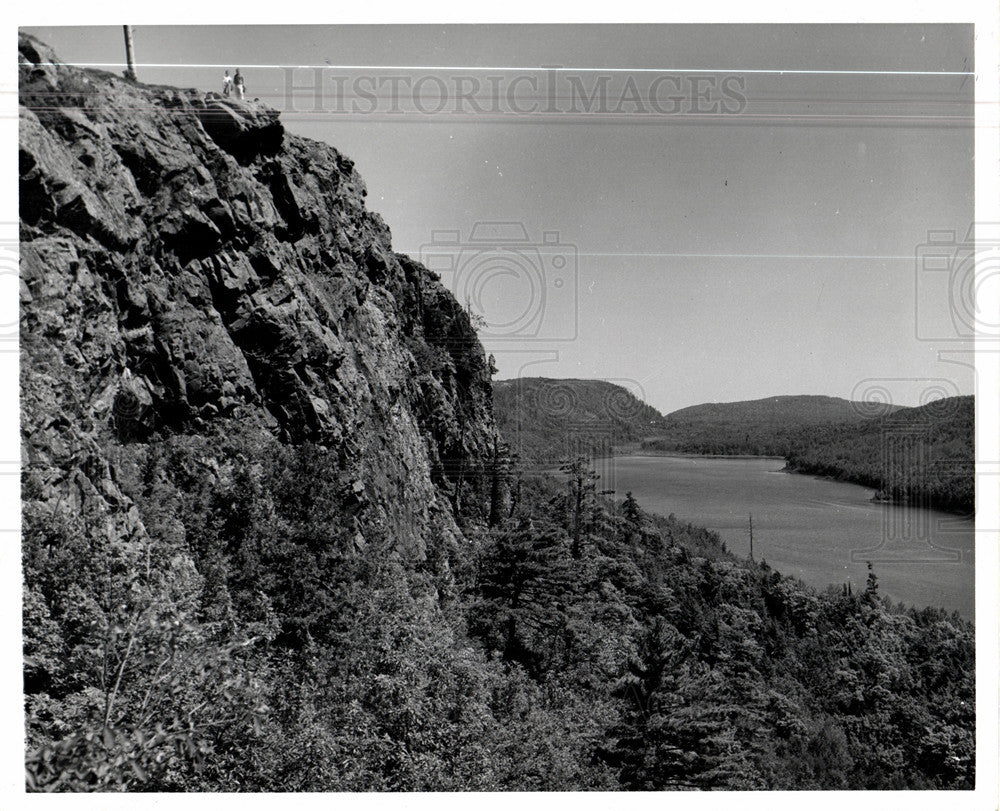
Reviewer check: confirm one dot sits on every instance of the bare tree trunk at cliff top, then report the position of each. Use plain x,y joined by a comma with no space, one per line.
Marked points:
129,53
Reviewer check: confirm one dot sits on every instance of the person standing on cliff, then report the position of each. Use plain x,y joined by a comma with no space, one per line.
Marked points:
227,84
240,84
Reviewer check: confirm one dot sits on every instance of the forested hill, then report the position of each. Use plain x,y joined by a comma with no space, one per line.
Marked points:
271,540
548,420
923,456
769,426
805,409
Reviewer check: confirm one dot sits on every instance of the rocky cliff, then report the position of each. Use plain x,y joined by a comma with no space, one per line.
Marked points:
188,267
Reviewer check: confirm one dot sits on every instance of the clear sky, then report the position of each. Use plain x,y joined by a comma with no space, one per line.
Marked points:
756,235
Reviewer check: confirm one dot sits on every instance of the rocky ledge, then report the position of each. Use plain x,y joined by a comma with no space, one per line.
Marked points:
187,266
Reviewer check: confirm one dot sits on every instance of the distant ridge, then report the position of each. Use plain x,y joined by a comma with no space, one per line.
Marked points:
769,426
547,420
805,409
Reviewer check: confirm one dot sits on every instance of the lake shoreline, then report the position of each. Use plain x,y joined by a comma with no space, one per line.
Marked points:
805,530
620,451
817,529
876,497
681,455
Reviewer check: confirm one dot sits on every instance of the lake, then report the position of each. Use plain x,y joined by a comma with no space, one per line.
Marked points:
818,530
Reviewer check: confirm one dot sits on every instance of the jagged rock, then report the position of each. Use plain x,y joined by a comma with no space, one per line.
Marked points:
244,128
185,263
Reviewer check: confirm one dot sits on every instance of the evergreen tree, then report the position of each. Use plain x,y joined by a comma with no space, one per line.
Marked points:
524,583
582,490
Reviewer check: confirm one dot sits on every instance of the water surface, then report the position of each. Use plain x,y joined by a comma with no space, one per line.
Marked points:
818,530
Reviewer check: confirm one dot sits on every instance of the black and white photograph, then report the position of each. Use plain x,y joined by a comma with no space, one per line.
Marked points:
503,406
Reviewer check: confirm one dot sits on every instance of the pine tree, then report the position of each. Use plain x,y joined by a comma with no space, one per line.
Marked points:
525,581
871,587
582,489
676,730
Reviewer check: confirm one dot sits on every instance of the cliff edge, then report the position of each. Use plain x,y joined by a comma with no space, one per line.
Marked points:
190,268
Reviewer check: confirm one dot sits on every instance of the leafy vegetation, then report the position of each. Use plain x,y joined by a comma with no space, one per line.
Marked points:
249,643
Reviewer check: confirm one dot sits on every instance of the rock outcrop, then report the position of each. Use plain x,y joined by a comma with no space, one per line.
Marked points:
187,265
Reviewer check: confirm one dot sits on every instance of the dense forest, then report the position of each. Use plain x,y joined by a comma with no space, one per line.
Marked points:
577,643
921,456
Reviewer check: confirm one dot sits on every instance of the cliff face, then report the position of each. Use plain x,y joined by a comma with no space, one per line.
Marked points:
187,267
